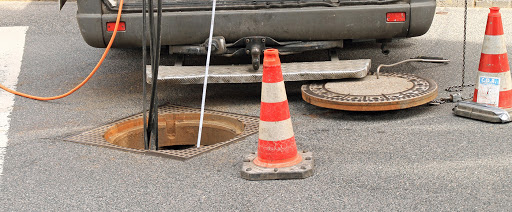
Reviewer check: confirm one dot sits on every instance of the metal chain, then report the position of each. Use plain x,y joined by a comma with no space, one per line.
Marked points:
457,97
458,88
464,43
461,87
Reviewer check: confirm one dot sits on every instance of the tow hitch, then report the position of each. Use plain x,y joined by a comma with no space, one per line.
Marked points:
253,46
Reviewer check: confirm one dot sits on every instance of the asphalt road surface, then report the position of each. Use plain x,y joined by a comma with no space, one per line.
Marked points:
422,158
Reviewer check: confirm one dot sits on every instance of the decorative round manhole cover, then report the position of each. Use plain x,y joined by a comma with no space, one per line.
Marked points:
392,91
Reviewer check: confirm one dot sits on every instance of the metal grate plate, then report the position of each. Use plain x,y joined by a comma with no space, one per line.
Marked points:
95,136
337,69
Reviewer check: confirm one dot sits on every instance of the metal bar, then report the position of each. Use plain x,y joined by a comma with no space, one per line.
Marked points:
409,60
205,83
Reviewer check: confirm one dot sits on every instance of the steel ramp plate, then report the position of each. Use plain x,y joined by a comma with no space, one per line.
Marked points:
336,69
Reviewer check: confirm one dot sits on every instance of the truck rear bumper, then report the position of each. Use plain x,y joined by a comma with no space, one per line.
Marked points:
286,24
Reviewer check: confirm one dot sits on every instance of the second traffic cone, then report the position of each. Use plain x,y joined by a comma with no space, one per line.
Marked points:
494,83
276,143
277,156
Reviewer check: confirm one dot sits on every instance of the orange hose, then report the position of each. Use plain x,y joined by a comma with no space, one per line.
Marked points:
86,79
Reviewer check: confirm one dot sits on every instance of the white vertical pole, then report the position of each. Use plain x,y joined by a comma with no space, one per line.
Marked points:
205,83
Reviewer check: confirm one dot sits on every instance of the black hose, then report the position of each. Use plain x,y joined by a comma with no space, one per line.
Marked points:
154,145
151,55
155,34
150,125
144,75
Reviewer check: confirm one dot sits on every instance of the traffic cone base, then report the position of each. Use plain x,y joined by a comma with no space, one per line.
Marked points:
304,169
279,163
277,156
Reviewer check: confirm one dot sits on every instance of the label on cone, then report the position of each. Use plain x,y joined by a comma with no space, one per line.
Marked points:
489,91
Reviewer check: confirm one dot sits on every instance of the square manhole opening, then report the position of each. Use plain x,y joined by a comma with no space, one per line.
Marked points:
177,132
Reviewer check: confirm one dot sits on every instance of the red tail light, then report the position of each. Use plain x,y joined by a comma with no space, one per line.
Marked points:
395,17
112,25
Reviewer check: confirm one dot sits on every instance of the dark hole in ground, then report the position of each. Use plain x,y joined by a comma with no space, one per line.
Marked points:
176,131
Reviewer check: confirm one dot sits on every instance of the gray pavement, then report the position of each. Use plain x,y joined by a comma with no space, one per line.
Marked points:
422,158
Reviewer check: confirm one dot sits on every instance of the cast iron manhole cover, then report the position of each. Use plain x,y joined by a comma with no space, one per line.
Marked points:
392,91
178,128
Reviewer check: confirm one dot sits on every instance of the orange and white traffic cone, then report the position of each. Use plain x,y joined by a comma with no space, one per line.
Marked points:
494,85
277,156
492,100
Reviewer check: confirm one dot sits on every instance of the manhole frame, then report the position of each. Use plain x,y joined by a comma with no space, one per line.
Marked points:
95,137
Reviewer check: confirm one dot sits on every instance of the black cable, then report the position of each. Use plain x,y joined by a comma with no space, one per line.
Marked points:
155,61
152,55
154,145
144,75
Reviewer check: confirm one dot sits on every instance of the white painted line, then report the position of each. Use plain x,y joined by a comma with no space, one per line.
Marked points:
12,43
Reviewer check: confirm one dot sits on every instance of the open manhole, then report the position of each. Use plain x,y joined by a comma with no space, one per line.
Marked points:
177,132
